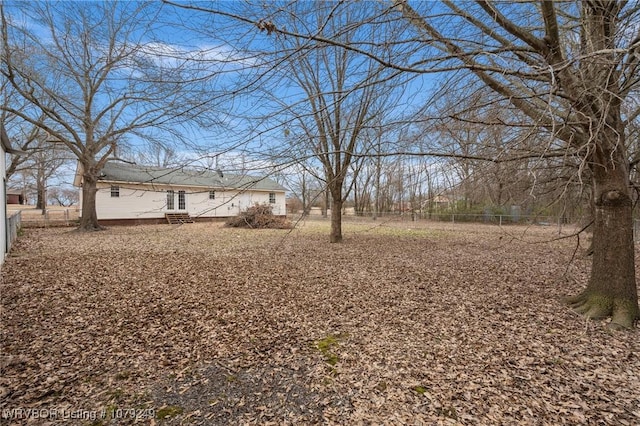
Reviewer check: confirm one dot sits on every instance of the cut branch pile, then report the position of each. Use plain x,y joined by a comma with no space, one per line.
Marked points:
259,216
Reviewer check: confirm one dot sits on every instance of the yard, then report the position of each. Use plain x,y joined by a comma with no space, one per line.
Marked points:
54,216
403,323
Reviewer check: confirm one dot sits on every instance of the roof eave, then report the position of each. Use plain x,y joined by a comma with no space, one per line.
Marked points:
212,187
6,142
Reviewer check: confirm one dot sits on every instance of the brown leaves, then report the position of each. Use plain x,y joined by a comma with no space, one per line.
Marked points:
446,325
267,26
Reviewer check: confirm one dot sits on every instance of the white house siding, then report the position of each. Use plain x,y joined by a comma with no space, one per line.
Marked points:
150,201
3,209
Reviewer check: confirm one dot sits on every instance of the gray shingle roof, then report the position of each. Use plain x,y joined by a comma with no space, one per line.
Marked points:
123,172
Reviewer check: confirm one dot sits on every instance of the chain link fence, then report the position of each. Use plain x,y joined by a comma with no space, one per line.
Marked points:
496,219
488,218
32,218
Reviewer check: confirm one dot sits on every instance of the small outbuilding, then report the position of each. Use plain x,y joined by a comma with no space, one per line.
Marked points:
15,197
134,194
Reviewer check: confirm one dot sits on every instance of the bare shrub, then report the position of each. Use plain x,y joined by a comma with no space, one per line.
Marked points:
259,216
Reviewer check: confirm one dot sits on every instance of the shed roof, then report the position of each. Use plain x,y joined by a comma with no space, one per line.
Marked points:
130,173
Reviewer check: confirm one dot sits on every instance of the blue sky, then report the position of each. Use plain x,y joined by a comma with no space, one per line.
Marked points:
202,38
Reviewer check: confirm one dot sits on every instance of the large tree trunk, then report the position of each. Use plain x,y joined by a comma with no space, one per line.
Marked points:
327,198
336,220
41,202
40,198
89,218
611,290
335,235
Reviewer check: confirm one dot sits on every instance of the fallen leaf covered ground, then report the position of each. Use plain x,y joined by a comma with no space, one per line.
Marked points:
402,323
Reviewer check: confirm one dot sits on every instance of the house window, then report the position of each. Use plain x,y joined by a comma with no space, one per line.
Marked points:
170,200
182,200
115,191
212,195
272,197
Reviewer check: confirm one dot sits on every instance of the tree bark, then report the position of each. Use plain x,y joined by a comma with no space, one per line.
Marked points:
326,203
89,216
41,202
40,198
336,220
611,290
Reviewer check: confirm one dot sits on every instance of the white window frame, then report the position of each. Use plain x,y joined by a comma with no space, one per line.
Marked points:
171,199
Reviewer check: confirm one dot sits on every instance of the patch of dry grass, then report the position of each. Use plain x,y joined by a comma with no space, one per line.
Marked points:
402,323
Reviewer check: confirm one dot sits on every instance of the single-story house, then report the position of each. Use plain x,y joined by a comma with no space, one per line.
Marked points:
134,194
438,202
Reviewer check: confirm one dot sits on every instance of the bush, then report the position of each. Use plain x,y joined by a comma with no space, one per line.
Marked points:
259,216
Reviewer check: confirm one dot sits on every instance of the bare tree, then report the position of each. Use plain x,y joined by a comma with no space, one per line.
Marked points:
98,73
25,140
301,180
159,155
64,197
576,96
44,162
332,94
23,134
38,159
571,68
339,112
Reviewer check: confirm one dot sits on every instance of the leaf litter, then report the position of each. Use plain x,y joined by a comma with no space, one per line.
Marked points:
403,323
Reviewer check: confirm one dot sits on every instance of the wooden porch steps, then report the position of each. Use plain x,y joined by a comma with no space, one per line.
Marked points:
178,218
